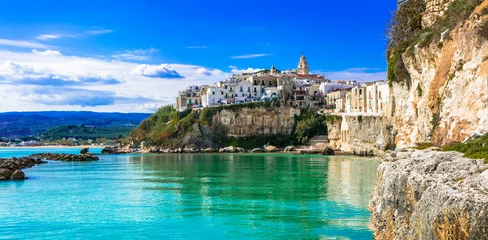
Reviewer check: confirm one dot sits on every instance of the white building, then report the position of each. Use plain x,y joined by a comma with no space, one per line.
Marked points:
214,96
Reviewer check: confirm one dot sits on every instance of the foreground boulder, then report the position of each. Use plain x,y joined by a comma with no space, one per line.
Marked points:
430,195
17,175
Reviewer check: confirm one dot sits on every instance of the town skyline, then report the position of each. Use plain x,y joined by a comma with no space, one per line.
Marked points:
99,60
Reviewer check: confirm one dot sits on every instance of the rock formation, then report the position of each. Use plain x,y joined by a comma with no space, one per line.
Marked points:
11,168
66,157
361,135
430,195
447,98
257,121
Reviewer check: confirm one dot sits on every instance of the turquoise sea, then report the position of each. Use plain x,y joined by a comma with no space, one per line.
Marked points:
189,196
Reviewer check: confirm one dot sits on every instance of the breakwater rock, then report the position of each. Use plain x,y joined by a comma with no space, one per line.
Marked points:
430,195
66,157
11,168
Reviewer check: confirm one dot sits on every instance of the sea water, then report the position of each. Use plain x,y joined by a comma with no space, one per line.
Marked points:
189,196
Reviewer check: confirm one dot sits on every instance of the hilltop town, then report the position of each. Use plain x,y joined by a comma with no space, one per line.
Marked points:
297,88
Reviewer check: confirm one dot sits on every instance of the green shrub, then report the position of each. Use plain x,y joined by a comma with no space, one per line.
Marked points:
476,148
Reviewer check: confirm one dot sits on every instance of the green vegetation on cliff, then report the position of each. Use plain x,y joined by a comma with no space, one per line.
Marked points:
169,128
405,32
476,148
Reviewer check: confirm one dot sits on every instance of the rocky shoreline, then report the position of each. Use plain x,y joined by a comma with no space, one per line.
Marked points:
11,168
430,195
231,149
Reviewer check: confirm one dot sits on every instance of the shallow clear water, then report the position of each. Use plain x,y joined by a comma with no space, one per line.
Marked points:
207,196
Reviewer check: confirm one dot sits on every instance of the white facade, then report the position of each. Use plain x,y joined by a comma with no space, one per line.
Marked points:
270,93
214,96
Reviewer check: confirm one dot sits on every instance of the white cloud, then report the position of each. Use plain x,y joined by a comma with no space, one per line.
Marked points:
156,71
135,55
234,69
360,74
48,52
51,36
197,47
130,56
98,32
48,36
22,44
248,56
43,80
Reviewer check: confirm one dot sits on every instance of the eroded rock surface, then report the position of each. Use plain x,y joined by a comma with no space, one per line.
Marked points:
430,195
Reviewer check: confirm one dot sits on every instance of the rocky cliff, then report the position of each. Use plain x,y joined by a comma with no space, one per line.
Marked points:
430,195
361,135
446,98
257,121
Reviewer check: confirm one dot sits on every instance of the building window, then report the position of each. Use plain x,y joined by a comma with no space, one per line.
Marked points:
241,89
213,93
248,89
196,102
225,86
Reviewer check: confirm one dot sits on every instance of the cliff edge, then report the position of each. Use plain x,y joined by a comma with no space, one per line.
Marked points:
430,195
438,71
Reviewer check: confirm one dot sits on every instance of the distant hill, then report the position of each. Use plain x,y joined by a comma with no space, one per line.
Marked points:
26,124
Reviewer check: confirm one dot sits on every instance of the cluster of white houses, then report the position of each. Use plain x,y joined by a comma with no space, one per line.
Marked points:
296,88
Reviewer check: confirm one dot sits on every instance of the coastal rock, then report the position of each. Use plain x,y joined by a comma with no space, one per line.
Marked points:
230,149
17,175
115,150
209,150
257,150
430,195
5,173
271,148
66,157
328,151
241,150
84,150
290,149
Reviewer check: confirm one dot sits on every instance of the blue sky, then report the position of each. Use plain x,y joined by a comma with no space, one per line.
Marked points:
115,46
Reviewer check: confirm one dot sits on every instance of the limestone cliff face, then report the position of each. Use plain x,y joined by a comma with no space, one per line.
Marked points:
434,9
430,195
361,135
447,100
258,121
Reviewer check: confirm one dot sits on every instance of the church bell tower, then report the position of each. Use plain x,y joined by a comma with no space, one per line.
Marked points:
303,66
